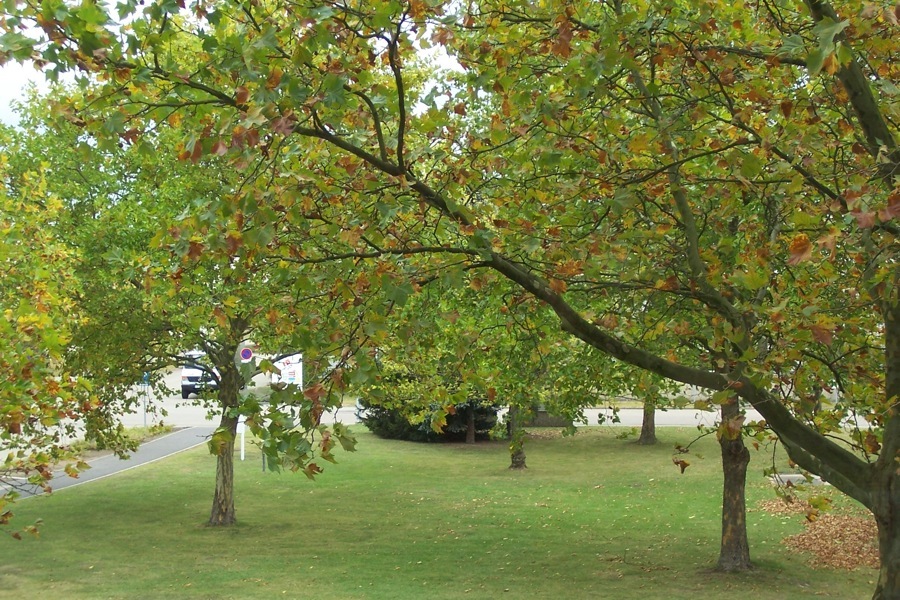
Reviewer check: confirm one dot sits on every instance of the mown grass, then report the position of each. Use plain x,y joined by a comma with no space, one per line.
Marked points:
592,517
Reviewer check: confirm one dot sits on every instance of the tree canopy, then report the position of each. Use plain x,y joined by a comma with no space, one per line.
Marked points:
706,191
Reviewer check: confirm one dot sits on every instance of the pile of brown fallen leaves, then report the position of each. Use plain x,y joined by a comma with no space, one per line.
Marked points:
836,541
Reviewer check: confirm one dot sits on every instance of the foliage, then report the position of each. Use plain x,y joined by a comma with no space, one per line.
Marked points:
405,409
40,399
706,191
392,424
157,282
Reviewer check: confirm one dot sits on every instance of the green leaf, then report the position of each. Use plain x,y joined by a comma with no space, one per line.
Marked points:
398,294
827,29
816,59
333,90
792,46
751,165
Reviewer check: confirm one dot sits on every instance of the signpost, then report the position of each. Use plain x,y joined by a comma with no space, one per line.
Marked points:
241,427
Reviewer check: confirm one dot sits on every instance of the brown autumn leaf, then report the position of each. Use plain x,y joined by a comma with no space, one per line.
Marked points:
786,107
829,242
682,464
892,210
241,95
562,46
558,285
800,249
220,317
822,334
252,137
312,469
316,392
442,36
131,135
671,283
417,9
196,152
871,443
283,125
348,164
195,249
609,321
866,220
219,148
233,241
274,78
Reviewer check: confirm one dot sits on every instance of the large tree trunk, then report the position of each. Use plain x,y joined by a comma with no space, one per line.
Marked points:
648,425
887,516
734,554
470,425
516,438
886,483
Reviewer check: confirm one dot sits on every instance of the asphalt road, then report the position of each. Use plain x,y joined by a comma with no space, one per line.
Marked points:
151,451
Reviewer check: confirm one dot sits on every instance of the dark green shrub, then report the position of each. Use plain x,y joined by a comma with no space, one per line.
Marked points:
391,423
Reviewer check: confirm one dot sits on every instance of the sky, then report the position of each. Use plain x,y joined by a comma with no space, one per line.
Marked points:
14,80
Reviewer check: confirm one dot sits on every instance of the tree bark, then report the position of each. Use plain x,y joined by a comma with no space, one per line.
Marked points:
516,439
470,425
222,513
885,484
887,511
648,425
223,499
734,553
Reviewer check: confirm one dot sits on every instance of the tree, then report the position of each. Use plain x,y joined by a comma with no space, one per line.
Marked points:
738,175
40,400
156,285
465,352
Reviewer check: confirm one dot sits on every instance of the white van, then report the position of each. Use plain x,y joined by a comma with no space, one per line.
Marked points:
193,379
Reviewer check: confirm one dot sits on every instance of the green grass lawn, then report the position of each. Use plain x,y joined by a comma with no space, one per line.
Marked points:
592,517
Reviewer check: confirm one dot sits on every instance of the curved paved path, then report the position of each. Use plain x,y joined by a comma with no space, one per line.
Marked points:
151,451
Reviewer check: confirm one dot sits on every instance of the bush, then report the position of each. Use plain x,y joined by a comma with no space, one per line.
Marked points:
391,423
397,407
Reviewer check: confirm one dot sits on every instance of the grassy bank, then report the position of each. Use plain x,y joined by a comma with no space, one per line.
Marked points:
593,516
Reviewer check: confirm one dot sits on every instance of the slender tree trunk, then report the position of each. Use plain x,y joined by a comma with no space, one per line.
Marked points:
470,425
734,554
648,425
223,498
222,513
516,438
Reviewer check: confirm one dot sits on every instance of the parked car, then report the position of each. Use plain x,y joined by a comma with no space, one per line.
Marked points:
194,379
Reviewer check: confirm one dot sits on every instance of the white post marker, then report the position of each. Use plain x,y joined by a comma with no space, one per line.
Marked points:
241,428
